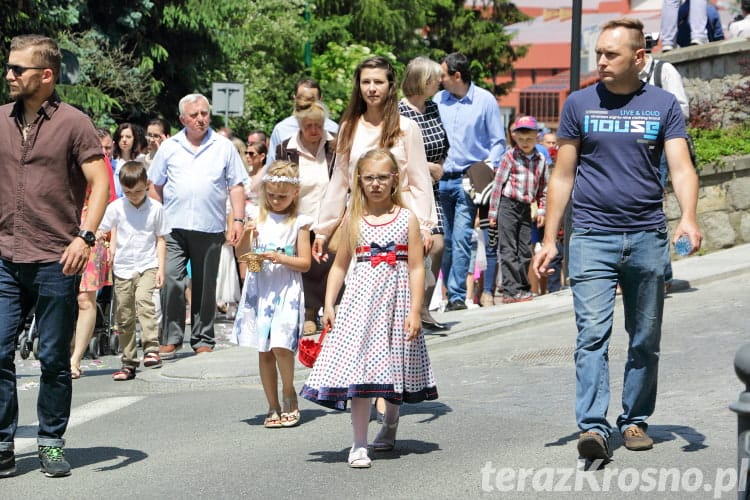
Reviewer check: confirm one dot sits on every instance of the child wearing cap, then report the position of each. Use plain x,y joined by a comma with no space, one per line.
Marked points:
520,180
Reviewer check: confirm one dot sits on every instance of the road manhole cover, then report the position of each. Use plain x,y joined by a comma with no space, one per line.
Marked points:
553,355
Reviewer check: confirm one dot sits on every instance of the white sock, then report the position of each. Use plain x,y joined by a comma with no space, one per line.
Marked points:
360,420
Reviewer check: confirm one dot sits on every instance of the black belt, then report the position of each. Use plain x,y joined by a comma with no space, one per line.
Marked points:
447,176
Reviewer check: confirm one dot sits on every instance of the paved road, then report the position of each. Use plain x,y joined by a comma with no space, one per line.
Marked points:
503,426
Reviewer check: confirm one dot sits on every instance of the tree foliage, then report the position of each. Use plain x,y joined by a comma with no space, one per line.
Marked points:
334,69
139,57
476,29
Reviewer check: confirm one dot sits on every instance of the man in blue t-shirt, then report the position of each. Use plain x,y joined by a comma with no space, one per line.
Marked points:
610,139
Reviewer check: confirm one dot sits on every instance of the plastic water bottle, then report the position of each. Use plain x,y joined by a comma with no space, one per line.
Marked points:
683,246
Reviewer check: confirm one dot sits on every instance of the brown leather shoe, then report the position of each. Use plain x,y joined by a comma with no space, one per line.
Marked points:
168,351
592,446
636,439
203,350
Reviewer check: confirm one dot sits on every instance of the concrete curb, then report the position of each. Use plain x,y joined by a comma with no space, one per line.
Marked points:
232,363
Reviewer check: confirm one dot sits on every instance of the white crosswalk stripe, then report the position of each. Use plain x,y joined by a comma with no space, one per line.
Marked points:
25,441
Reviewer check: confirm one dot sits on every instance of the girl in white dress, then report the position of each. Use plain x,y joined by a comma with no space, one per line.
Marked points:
272,306
375,347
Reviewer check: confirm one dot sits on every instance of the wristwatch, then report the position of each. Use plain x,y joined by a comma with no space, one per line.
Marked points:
88,237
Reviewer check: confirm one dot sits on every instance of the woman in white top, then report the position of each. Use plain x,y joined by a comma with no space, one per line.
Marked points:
371,120
313,149
129,144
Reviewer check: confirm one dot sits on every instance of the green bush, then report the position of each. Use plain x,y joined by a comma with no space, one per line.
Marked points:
712,146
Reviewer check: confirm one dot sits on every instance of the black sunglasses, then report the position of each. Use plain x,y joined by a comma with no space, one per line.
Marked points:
19,70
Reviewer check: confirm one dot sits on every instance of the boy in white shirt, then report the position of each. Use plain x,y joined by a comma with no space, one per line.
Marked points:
138,251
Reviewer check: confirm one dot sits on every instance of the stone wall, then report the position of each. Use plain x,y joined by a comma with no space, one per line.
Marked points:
723,204
708,72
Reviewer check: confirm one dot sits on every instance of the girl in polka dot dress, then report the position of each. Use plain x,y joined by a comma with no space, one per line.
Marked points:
375,347
271,310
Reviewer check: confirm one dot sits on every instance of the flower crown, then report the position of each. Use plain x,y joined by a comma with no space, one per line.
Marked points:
281,178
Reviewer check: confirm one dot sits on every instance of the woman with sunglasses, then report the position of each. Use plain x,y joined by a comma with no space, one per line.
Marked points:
255,158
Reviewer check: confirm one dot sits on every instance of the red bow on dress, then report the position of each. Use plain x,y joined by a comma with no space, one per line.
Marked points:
385,254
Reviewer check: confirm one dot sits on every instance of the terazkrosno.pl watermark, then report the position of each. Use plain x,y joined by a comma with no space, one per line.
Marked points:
629,479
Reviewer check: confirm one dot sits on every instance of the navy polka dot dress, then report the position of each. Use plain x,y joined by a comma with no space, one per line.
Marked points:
366,354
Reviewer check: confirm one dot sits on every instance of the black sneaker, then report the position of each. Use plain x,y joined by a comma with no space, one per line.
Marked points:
7,463
456,305
52,460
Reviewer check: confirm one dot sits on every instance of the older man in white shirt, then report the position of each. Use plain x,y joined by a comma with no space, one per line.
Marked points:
192,173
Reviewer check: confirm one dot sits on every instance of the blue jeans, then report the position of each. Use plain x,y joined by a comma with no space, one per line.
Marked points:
458,222
598,260
663,176
554,280
55,297
490,249
669,21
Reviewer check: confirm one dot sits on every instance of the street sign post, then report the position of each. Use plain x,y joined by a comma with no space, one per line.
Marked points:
227,99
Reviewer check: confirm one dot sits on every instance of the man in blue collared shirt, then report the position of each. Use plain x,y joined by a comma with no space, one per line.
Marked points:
192,173
472,120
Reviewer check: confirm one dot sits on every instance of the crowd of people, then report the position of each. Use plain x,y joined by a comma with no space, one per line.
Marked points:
352,228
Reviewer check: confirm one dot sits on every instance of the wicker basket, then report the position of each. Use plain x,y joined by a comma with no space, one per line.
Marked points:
254,261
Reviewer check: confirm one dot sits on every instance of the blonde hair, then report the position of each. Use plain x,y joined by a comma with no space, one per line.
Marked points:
417,74
280,169
358,202
308,107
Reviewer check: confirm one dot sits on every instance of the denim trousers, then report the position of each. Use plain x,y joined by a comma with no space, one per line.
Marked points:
554,280
458,222
663,176
669,21
54,297
490,250
598,261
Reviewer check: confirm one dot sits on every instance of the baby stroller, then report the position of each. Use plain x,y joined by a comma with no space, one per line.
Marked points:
104,340
28,337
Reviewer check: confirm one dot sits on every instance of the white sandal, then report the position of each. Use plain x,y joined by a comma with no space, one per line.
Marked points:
358,458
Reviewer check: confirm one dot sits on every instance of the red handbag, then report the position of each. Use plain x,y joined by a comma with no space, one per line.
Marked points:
310,348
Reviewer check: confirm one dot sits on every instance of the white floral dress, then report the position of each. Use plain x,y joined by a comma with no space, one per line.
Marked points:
366,354
272,306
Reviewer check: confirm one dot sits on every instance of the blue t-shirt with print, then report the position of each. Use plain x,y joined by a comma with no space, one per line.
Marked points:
617,185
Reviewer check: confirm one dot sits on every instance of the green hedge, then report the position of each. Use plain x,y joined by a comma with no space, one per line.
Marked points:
712,146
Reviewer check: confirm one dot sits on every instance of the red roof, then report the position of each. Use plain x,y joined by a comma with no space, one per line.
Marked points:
545,56
561,81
